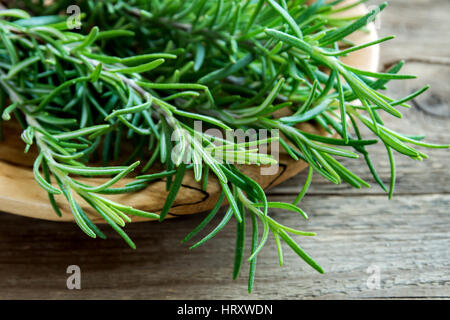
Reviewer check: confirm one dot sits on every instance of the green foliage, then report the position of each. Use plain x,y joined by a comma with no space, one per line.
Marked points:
141,72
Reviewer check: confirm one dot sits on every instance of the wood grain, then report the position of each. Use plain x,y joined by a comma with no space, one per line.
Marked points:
407,238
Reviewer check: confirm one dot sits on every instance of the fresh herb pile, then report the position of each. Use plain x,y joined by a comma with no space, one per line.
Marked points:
138,72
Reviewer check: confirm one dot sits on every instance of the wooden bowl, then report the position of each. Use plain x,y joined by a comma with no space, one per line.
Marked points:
21,195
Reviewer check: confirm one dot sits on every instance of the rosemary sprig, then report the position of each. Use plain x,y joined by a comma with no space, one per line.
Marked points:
142,72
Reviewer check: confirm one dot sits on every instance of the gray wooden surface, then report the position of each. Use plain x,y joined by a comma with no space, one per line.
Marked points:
406,239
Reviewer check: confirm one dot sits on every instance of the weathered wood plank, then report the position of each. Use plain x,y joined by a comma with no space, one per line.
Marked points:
421,29
406,238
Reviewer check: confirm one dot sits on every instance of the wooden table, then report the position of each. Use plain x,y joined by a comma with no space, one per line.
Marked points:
360,232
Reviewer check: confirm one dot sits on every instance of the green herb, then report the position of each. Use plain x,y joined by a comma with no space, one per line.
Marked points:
141,72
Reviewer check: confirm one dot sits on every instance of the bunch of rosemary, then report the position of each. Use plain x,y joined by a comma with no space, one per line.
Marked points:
139,72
